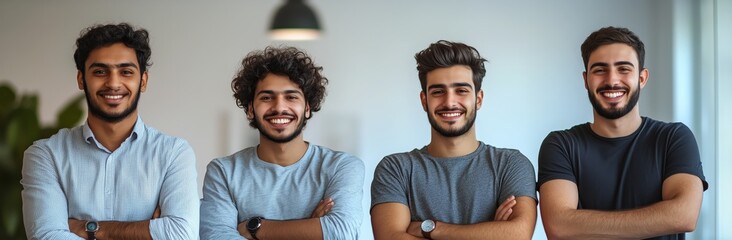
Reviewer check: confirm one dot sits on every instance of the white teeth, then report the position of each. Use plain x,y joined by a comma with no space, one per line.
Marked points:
112,96
612,94
450,114
280,120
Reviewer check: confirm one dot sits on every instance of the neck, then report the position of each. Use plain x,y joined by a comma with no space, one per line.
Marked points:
614,128
441,146
283,154
111,134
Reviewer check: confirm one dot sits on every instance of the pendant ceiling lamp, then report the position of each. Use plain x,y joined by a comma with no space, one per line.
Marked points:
295,21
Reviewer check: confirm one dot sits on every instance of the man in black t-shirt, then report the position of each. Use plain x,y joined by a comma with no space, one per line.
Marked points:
623,175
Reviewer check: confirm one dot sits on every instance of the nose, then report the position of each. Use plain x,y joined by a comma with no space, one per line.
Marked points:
280,103
613,77
451,98
114,81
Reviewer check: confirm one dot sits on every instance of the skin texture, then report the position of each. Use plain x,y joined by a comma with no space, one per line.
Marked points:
615,66
451,102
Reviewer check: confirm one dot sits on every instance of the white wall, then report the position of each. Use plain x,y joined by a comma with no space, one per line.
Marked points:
533,83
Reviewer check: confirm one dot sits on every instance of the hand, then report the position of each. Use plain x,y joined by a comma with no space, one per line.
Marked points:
415,229
324,206
504,211
156,214
78,227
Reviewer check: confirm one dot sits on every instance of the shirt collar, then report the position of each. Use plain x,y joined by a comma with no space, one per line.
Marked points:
137,129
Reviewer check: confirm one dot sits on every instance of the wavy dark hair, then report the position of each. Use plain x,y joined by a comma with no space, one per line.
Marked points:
610,35
286,61
104,35
443,54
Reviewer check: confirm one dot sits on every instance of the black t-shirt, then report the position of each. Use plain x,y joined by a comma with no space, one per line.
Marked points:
620,173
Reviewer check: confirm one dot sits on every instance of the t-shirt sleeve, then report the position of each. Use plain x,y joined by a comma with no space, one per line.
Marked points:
389,184
518,178
683,154
554,160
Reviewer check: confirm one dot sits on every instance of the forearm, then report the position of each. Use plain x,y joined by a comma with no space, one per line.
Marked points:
662,218
124,230
486,230
292,229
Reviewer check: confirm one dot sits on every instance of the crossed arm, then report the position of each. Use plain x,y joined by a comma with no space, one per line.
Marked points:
115,230
515,219
676,213
308,228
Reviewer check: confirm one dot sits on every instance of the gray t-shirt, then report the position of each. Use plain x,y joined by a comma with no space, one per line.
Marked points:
242,186
458,190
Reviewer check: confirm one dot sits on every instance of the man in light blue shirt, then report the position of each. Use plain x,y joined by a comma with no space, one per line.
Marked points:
113,177
285,187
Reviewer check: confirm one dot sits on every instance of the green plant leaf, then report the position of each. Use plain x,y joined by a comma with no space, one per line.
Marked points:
7,97
71,114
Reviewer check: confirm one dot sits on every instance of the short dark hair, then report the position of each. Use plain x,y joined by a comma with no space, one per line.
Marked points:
444,54
610,35
286,61
104,35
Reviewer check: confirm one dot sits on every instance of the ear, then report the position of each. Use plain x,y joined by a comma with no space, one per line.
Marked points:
80,80
250,112
584,76
307,111
479,99
143,83
643,78
423,99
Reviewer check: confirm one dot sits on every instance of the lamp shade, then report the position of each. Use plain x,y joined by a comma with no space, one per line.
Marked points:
295,21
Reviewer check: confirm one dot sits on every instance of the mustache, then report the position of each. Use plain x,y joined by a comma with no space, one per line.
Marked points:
611,88
449,109
275,113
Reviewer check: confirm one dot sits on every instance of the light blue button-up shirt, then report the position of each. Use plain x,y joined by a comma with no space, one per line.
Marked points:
71,175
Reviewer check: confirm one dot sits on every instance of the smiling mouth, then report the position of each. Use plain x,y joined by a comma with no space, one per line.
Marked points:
278,121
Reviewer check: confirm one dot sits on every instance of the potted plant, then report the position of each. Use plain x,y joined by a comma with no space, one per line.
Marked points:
19,128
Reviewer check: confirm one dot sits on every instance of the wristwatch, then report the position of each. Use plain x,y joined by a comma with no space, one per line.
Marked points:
253,225
91,228
427,227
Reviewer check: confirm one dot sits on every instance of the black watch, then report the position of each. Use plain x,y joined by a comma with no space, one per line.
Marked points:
253,225
91,228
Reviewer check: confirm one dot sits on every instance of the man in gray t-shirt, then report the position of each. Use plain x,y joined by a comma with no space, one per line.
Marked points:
456,187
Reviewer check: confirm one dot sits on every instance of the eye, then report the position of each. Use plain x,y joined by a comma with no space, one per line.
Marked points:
265,98
98,72
437,92
127,72
462,91
625,70
292,97
598,70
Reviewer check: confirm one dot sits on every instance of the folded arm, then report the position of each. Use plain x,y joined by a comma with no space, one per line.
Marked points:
515,219
676,213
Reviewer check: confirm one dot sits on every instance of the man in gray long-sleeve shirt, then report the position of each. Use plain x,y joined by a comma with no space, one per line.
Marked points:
285,187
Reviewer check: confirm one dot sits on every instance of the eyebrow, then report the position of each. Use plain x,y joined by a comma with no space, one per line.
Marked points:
458,84
289,91
618,63
120,65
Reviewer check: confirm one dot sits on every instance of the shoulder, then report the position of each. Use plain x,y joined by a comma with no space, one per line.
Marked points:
153,136
506,156
655,127
337,159
402,158
57,141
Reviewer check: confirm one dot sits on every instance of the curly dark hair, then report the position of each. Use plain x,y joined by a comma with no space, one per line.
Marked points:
286,61
104,35
444,54
610,35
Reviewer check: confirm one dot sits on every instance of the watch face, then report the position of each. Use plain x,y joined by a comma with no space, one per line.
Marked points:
254,223
428,225
92,226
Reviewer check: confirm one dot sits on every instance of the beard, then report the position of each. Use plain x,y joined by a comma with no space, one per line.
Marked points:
447,132
614,112
97,111
283,139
